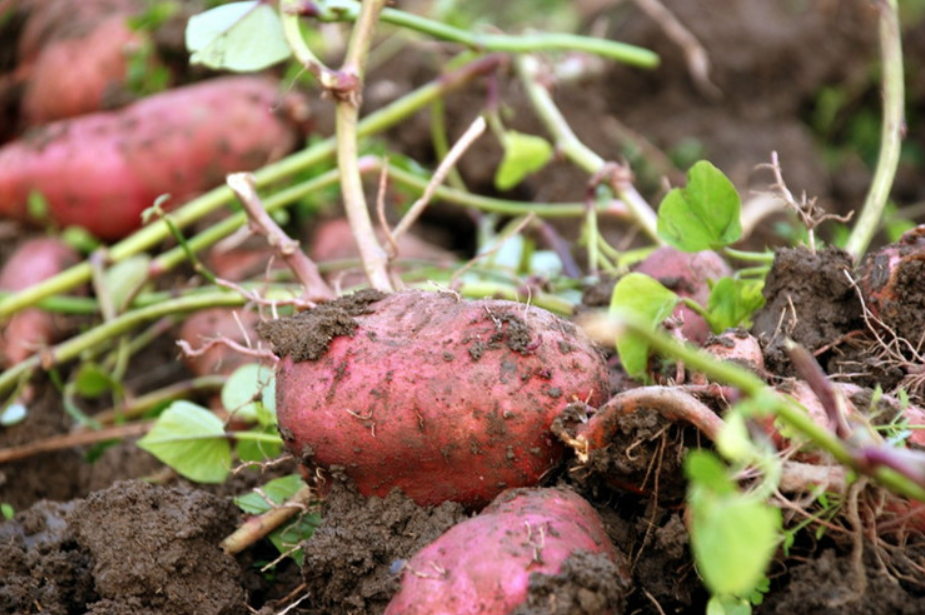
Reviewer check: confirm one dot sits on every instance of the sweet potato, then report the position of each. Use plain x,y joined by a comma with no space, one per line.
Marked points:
487,564
29,330
101,171
77,53
206,325
443,398
687,274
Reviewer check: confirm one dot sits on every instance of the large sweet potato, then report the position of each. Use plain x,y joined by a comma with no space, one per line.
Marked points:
444,398
101,171
487,564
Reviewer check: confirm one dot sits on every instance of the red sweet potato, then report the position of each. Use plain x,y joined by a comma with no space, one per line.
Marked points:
77,52
484,565
687,275
29,330
101,171
200,328
443,398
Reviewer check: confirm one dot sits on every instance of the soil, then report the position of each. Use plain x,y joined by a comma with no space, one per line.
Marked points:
104,529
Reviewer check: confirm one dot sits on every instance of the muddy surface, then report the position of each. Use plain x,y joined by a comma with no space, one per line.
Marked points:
90,536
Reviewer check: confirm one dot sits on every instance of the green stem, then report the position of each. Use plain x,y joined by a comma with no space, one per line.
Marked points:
574,149
257,436
373,256
151,235
749,257
531,42
551,303
123,323
891,132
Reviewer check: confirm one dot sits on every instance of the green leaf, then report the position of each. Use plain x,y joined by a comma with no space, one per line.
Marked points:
192,441
250,394
646,299
240,36
92,381
732,303
702,216
274,492
258,450
733,441
705,470
7,511
523,154
125,279
733,535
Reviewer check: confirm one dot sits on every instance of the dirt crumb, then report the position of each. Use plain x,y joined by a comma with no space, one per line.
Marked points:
589,584
353,560
306,336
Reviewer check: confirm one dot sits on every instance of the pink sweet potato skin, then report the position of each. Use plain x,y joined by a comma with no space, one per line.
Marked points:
443,398
101,171
482,566
72,75
687,274
34,260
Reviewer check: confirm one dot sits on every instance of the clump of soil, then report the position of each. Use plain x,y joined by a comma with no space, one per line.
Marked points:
354,559
306,336
132,548
810,300
589,584
829,585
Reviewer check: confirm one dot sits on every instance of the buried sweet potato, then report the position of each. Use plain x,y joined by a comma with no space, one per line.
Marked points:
101,171
443,398
687,274
33,261
498,561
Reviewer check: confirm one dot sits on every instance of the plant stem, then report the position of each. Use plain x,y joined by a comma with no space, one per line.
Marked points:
72,348
373,256
891,132
154,233
574,149
531,42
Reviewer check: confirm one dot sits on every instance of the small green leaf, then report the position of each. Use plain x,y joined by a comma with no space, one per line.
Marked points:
192,441
92,381
523,154
733,441
7,511
732,303
733,535
258,450
274,492
705,470
248,385
125,279
648,300
240,36
702,216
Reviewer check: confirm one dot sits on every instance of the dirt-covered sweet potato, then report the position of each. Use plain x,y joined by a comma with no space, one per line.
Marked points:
444,398
101,171
29,330
489,564
687,274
